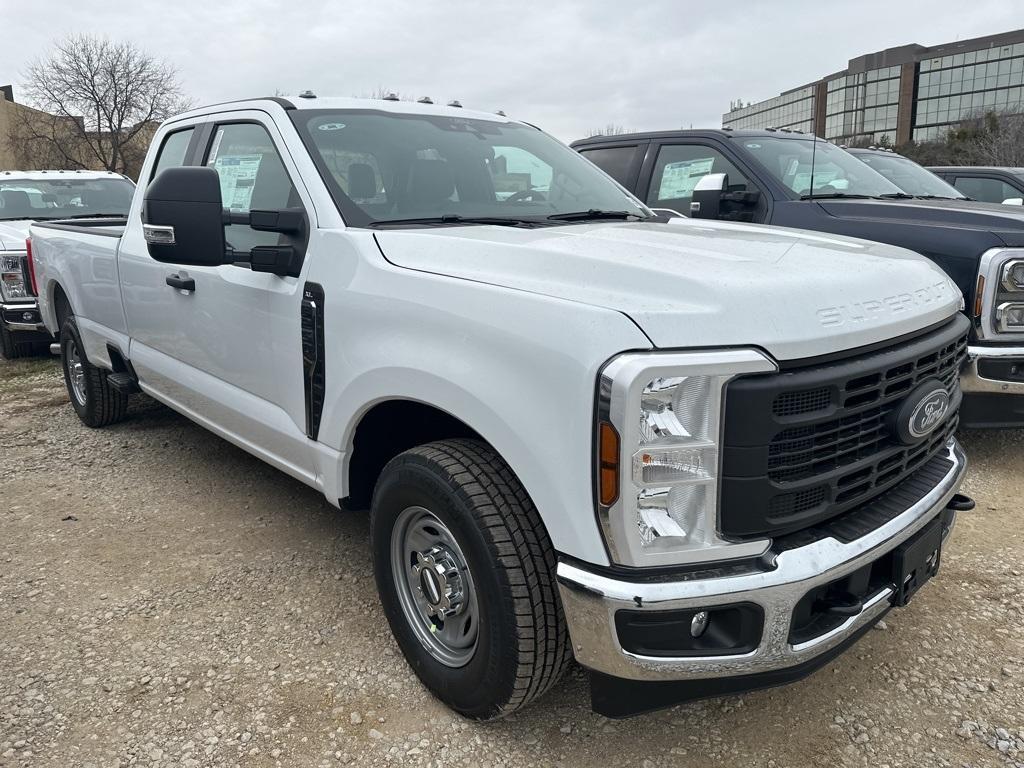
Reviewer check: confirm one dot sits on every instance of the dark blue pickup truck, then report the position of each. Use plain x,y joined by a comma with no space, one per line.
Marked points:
788,179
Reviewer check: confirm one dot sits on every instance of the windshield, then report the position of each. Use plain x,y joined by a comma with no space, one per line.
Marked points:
63,197
908,175
836,171
386,167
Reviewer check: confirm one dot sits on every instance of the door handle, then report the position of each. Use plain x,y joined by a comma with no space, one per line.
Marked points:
181,283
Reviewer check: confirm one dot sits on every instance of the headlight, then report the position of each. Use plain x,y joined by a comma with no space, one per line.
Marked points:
1013,275
1010,317
658,433
1000,294
12,277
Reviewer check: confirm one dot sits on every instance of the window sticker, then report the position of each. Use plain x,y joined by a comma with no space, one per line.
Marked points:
679,179
216,146
237,177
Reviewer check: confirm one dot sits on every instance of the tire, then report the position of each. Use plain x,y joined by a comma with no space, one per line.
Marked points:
494,551
95,401
12,349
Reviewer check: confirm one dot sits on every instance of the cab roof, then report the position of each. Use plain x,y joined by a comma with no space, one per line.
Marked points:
348,103
58,174
744,133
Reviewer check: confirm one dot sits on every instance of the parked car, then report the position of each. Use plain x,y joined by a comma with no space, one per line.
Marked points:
907,175
768,176
987,184
27,196
708,460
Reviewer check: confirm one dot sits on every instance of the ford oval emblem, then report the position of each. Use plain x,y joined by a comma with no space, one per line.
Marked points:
929,412
921,412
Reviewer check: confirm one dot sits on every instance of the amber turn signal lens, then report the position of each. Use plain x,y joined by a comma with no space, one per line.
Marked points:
608,463
979,297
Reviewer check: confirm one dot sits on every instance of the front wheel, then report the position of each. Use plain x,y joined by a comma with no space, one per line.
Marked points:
95,401
465,571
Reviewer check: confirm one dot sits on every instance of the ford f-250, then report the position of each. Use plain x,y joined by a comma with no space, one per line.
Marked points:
685,447
784,178
27,196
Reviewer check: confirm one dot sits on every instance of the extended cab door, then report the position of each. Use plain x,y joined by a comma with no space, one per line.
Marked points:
673,169
621,161
228,348
987,187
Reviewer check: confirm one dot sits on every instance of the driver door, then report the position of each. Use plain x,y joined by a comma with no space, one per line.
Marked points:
228,352
677,169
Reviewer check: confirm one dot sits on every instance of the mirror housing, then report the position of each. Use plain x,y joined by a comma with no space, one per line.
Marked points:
183,217
707,196
1014,201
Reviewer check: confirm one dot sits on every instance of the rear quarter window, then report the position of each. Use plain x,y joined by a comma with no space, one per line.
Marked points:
618,162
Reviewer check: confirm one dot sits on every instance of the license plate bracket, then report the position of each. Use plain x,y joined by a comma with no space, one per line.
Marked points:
915,561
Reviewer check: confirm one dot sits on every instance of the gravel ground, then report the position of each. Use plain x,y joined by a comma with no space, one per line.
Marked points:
165,599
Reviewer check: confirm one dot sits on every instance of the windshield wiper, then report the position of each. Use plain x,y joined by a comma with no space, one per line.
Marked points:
595,214
896,196
939,197
452,218
97,216
836,196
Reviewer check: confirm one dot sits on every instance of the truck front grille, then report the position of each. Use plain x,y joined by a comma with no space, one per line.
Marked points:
812,442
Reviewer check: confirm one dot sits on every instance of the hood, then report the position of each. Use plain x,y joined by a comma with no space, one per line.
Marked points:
13,234
1004,221
702,284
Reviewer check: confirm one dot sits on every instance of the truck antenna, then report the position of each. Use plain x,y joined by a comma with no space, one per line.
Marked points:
814,147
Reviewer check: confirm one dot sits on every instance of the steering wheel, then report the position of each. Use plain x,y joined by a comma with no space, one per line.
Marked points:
524,194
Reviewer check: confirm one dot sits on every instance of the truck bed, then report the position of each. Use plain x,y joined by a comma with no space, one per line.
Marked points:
80,256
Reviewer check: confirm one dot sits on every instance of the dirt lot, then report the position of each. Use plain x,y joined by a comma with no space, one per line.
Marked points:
165,599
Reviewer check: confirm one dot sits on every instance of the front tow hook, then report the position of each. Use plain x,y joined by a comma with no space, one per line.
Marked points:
961,503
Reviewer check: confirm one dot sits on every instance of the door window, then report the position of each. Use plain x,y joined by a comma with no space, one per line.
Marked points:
617,162
986,190
172,153
252,177
680,167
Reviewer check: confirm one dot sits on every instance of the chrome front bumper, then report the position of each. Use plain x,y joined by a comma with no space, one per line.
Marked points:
591,600
972,381
13,316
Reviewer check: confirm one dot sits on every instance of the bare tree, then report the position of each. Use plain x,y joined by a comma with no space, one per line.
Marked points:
98,103
1002,141
612,129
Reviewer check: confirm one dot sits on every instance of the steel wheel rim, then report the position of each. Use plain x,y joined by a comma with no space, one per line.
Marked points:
76,372
435,586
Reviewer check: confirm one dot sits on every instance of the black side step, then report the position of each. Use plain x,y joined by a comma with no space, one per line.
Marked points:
123,382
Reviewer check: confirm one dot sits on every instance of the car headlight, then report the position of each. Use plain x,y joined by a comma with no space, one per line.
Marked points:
1010,317
1000,293
1013,275
659,419
12,277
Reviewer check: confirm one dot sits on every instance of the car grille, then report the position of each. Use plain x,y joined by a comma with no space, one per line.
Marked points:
812,442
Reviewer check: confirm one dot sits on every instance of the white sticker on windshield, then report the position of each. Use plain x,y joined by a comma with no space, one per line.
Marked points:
331,127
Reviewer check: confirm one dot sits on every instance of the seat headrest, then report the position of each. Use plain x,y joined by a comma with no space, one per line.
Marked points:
362,181
16,203
431,184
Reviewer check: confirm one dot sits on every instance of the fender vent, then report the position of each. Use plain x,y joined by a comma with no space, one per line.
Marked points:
313,355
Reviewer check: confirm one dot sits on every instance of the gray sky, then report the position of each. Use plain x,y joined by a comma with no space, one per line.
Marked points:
568,66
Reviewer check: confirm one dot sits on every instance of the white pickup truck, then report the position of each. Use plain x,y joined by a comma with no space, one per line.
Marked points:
27,196
701,457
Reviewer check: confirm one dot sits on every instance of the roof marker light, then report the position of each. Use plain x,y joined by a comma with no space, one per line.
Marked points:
391,97
425,100
455,103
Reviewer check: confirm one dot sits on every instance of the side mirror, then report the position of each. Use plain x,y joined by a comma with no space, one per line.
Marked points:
183,217
1014,201
707,196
